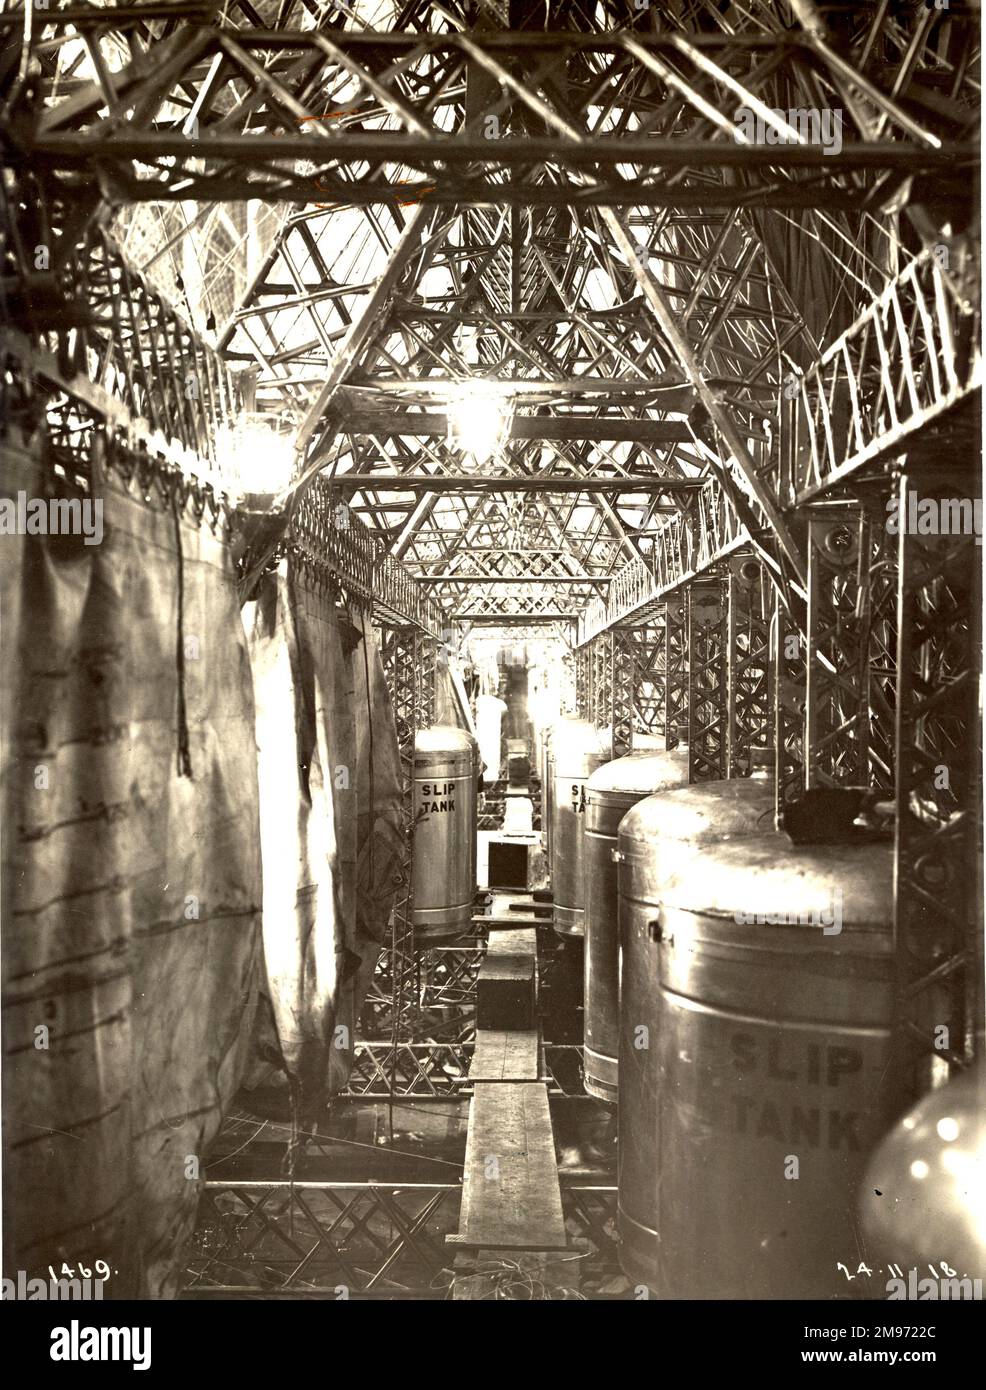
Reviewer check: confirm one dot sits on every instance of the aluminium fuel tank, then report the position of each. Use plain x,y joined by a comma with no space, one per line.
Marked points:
446,771
774,980
653,836
576,752
610,793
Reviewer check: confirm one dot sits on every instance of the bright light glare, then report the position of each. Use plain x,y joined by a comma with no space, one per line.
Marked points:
478,421
254,457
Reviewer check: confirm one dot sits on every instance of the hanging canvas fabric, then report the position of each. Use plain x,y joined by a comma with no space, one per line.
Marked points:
381,846
132,880
305,746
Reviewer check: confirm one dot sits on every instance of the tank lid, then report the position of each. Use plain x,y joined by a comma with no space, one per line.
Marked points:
443,738
641,773
705,813
766,877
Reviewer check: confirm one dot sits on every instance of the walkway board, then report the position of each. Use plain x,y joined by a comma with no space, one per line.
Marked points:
505,1055
511,1199
506,991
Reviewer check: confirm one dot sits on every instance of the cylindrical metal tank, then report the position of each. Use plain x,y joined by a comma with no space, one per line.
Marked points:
576,750
921,1202
610,792
446,769
652,837
774,982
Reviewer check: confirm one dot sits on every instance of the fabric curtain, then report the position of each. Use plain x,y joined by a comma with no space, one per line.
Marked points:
305,749
132,881
331,831
381,844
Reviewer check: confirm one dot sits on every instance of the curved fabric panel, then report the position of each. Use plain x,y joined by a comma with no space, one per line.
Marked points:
131,928
381,846
305,746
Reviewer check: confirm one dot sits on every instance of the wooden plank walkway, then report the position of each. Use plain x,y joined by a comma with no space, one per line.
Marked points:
511,1199
505,1055
506,989
511,1240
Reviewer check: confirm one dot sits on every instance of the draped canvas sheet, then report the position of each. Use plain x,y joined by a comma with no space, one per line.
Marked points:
448,710
331,828
132,894
381,844
305,747
382,849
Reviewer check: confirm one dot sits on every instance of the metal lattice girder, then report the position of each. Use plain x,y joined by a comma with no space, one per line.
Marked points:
906,363
675,670
938,926
395,970
425,661
324,532
602,682
750,716
788,655
541,603
398,598
649,683
837,698
878,608
623,678
687,545
707,681
92,324
738,471
311,1239
582,682
305,1238
214,110
423,1069
437,992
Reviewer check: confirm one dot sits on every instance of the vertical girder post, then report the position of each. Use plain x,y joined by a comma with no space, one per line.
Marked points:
582,681
675,670
750,713
938,935
707,675
837,695
789,660
426,668
649,695
623,675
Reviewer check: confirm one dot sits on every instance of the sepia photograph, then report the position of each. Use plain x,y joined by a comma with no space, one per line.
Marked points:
490,672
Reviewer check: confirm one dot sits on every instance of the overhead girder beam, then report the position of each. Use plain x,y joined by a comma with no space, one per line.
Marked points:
565,428
545,483
254,113
361,329
510,619
634,257
668,391
587,581
721,417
